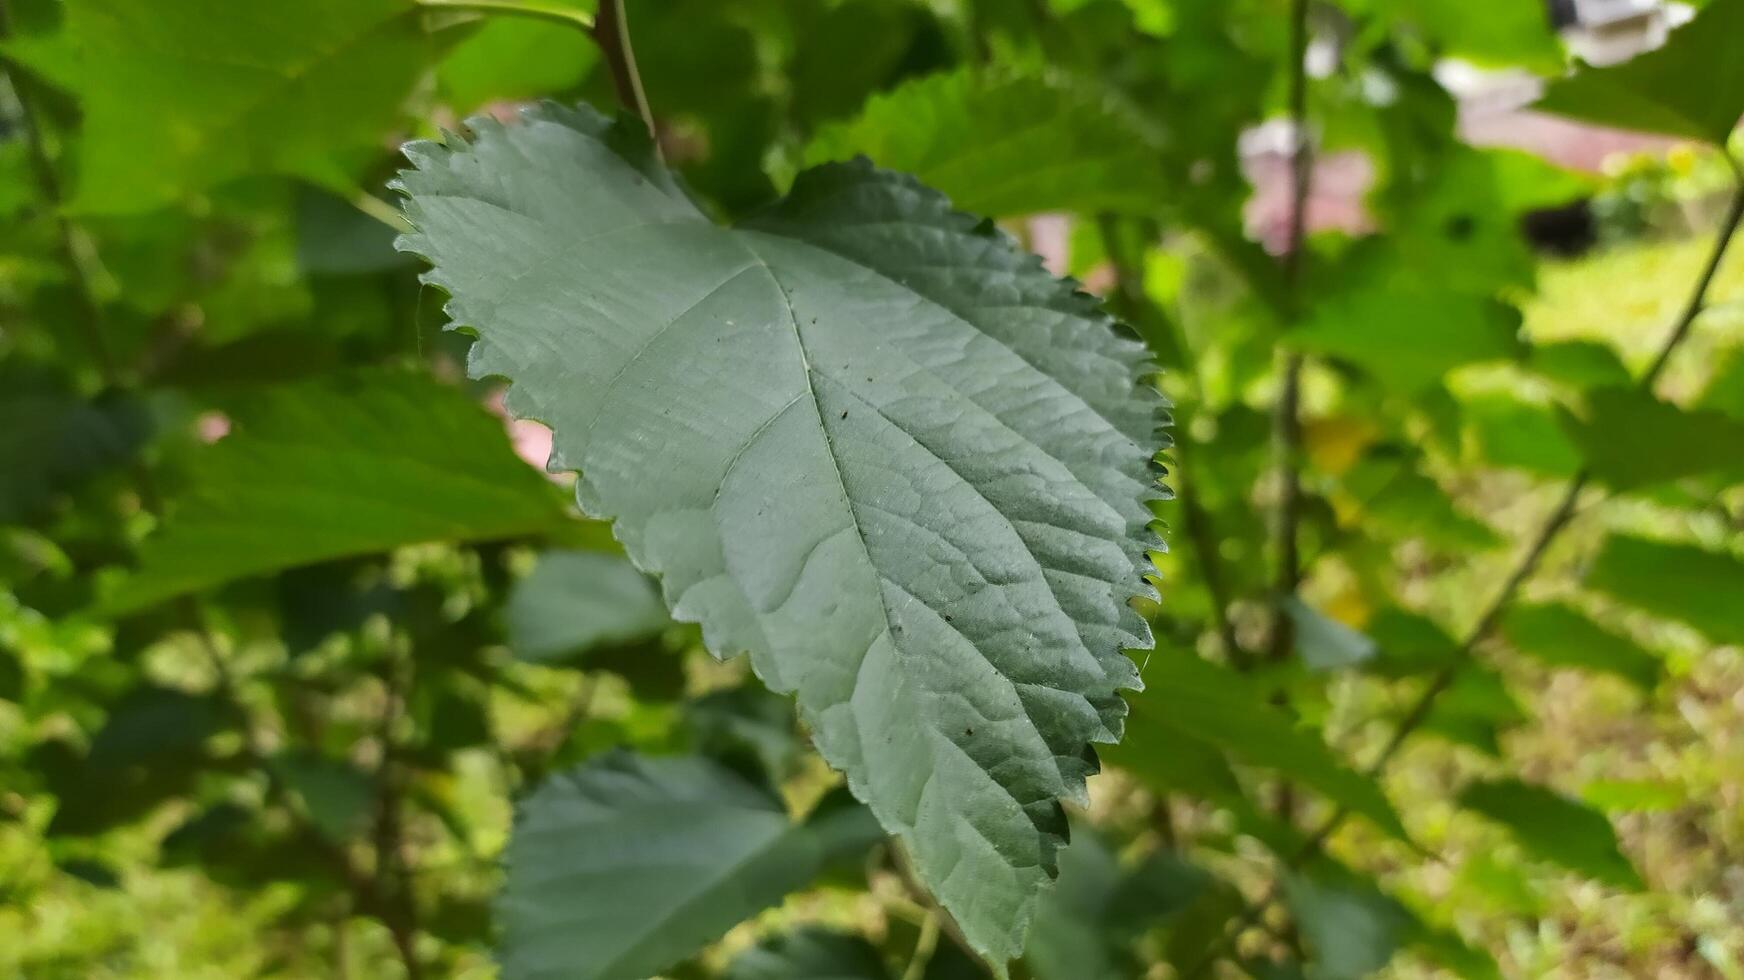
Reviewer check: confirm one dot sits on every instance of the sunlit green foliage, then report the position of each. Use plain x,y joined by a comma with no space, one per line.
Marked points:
379,611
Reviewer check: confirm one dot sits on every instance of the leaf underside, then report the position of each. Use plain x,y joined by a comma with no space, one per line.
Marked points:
861,436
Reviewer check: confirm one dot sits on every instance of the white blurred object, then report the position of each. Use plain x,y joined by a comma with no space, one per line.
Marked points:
1607,32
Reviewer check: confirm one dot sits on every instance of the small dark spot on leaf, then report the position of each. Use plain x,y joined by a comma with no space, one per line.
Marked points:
844,415
1460,227
968,731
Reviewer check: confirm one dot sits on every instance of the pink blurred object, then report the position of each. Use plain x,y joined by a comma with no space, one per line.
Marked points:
532,441
212,426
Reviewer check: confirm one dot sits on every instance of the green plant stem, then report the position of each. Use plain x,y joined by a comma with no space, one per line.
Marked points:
392,875
1137,307
555,13
89,320
611,31
1553,525
1287,409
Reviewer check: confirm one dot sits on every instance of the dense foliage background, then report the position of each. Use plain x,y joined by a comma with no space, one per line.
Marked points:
1447,674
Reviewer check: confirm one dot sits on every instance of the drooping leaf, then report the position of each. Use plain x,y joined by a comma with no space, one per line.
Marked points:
151,748
1205,701
337,795
1474,709
1631,439
50,439
809,953
1170,761
336,467
1521,435
516,58
1072,939
1391,495
1683,582
1562,637
1634,795
334,237
306,89
574,601
850,50
1006,144
1490,32
1408,336
747,722
1351,928
1693,86
1554,828
626,865
1409,644
1324,643
862,437
1725,390
1582,364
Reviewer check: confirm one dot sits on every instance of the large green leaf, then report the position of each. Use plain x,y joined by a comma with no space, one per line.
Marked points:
1006,144
1563,637
1692,87
1204,701
862,437
1677,581
1554,828
180,95
573,601
626,865
337,467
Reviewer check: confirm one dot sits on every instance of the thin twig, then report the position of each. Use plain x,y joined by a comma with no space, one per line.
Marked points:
393,876
918,892
1558,519
923,947
1286,411
611,31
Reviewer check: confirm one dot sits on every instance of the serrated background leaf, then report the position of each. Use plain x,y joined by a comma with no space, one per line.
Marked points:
1006,144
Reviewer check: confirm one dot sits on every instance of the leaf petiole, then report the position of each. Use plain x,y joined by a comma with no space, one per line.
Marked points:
539,9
